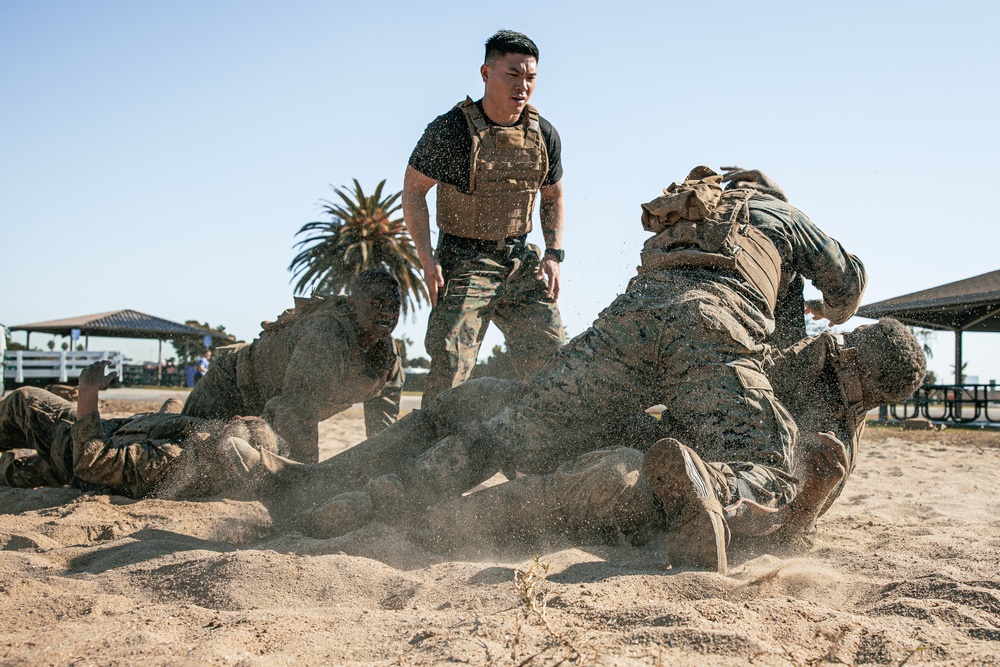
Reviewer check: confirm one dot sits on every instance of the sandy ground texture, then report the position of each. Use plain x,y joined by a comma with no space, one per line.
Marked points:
905,570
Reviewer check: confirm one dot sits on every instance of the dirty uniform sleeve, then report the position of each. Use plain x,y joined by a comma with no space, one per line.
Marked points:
800,364
310,392
382,411
838,274
135,467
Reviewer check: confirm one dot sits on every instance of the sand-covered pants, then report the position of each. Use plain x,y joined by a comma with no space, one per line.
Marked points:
602,495
34,419
295,488
482,287
686,339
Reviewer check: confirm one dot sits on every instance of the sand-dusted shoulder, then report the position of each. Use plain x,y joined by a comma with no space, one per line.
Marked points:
906,569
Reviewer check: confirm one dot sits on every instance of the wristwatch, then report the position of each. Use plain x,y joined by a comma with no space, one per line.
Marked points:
557,254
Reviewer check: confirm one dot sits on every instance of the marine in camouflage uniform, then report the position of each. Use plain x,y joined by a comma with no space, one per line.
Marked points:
316,360
689,334
489,160
829,383
169,454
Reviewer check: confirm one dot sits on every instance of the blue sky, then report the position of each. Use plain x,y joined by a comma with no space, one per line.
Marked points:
161,156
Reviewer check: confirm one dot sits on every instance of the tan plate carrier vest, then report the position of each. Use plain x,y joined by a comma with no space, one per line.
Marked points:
698,224
507,167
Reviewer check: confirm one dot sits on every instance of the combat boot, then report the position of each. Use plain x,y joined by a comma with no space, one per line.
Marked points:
696,525
171,406
239,455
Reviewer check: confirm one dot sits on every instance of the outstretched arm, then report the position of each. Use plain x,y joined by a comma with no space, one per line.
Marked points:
826,467
312,390
92,381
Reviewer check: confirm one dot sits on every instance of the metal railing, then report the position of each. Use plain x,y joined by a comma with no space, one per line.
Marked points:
954,403
34,366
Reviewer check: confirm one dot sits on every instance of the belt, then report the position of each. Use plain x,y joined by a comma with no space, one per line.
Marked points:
482,245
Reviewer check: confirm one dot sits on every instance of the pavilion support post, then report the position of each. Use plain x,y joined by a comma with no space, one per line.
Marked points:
159,362
958,356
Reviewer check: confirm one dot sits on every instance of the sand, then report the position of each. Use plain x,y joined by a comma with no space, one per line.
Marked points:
905,570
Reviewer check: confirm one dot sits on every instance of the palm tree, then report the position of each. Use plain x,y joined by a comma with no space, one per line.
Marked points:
361,234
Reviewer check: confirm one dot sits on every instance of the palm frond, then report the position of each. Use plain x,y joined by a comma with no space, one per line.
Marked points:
361,233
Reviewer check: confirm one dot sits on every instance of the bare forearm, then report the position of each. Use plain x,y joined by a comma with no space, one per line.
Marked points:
92,381
418,223
416,214
87,403
552,213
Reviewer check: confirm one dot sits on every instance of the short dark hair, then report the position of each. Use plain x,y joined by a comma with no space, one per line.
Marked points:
371,278
509,41
892,361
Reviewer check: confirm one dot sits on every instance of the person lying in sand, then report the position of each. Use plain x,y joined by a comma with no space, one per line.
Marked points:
47,441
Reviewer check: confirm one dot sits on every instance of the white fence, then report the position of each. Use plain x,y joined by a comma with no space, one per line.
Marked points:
58,366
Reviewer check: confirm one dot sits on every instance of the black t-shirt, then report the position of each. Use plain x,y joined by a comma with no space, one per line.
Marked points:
445,149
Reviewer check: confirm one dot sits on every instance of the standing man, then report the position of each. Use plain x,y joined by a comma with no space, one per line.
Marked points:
488,160
203,364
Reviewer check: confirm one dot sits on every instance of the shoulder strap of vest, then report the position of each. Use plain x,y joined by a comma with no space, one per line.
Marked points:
344,314
478,127
849,377
479,130
533,129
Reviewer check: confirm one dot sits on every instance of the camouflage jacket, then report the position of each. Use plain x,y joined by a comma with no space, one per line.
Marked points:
306,367
131,455
808,252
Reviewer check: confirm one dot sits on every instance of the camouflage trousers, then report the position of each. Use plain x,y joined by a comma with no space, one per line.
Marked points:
500,287
36,439
293,489
678,339
600,496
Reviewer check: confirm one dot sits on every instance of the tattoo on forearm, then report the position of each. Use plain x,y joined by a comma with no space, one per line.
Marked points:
547,212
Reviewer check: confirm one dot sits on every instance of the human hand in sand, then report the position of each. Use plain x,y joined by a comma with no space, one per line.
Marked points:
826,467
92,381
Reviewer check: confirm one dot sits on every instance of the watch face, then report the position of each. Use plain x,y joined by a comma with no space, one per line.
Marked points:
559,255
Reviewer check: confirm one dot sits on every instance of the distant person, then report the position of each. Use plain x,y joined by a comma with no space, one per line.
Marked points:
47,441
489,160
319,358
3,351
203,363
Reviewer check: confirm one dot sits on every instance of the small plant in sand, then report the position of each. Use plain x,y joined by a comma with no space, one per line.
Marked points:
533,601
360,234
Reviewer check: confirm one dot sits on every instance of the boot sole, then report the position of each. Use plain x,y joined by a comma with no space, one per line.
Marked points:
696,528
